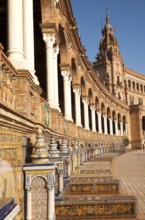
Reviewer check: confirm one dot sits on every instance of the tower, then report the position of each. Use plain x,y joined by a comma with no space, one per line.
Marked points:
109,62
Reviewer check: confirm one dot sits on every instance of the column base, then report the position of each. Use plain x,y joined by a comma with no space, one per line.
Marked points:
52,217
79,125
68,118
18,63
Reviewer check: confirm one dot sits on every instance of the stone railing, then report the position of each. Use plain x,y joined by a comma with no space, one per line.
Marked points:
7,77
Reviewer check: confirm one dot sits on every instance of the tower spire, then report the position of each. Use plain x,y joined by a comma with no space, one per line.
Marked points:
107,17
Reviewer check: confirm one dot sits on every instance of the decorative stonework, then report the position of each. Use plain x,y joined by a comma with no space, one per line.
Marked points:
39,198
40,150
103,209
108,187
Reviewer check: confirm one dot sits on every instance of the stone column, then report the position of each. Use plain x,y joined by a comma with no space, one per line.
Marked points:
69,169
77,93
60,176
105,124
67,95
92,107
116,127
86,113
51,203
49,42
55,65
15,34
99,122
29,37
111,126
29,205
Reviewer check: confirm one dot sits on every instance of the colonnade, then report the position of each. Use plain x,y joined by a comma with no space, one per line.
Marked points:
21,54
21,35
53,100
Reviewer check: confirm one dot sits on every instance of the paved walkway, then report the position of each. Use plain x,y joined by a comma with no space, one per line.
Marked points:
129,168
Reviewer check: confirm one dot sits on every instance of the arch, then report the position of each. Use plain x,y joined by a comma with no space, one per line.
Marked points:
114,115
62,45
103,108
108,112
83,86
97,103
90,95
74,72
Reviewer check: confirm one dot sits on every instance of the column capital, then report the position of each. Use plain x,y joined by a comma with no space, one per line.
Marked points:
85,100
50,187
77,89
66,75
49,40
92,107
28,188
60,172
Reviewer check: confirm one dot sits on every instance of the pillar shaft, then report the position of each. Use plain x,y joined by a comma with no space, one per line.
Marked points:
116,127
49,42
77,93
29,205
99,122
86,113
15,32
67,95
51,203
105,124
111,126
55,65
60,176
28,33
93,118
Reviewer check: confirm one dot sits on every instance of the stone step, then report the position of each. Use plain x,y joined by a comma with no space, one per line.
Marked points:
111,187
79,178
102,207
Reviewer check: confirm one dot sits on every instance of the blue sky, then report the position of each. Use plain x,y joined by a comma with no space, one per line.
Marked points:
127,17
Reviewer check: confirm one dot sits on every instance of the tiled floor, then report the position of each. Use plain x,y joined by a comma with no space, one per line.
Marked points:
129,168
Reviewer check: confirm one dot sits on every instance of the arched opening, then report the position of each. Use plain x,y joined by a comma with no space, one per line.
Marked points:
108,121
143,126
39,48
119,120
90,95
96,115
102,118
113,121
61,57
74,81
129,84
133,86
3,24
82,106
124,125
